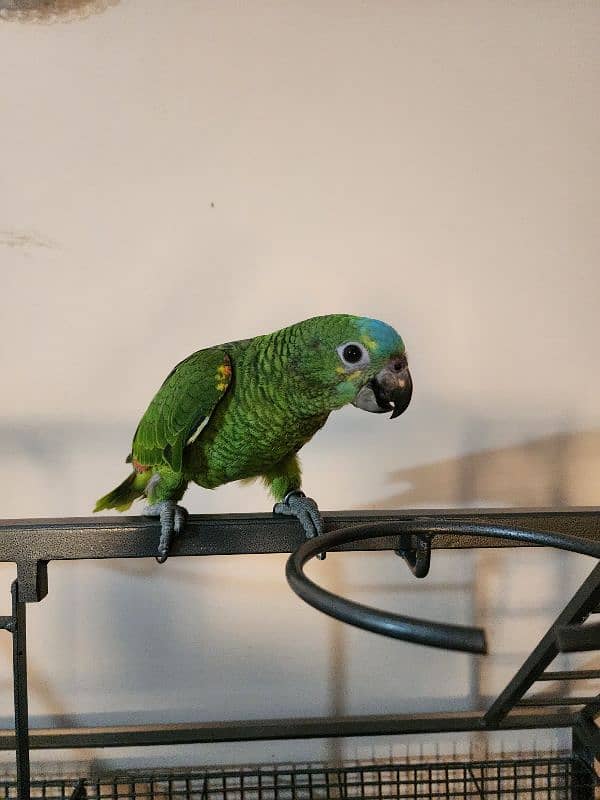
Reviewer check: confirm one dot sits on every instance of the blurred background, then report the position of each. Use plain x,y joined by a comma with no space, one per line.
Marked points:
178,175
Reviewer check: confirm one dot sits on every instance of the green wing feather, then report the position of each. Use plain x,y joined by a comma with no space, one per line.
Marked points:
184,402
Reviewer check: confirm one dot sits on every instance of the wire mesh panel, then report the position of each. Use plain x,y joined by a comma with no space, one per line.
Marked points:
535,779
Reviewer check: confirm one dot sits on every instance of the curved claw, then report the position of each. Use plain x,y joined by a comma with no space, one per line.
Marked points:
172,523
297,504
181,517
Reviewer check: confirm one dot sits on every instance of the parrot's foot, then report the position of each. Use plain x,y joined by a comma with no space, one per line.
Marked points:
297,504
172,523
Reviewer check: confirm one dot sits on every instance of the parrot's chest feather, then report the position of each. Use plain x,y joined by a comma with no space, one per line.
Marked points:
245,441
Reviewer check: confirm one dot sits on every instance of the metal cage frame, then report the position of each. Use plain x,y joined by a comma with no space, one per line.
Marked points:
32,544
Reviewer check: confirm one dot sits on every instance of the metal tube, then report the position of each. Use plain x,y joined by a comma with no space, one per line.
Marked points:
282,729
20,693
570,675
540,702
410,629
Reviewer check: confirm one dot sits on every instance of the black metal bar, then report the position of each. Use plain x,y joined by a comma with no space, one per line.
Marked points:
540,702
20,693
280,729
584,600
578,638
582,771
570,675
32,543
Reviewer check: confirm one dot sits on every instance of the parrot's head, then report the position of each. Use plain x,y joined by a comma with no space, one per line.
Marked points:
357,360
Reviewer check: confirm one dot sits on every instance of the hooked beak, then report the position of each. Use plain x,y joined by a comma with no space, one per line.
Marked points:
390,390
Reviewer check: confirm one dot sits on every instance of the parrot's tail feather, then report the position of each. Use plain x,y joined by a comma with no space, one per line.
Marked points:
123,496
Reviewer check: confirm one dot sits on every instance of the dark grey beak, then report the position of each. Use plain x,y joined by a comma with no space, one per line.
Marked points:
390,390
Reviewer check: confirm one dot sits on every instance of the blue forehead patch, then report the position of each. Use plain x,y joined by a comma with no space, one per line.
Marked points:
382,333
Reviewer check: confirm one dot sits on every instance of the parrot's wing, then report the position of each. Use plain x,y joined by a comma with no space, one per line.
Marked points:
181,408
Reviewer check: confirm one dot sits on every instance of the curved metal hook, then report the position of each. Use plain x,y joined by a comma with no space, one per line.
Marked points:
415,549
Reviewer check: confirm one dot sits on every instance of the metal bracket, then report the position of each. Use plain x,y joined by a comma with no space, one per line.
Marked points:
32,580
415,549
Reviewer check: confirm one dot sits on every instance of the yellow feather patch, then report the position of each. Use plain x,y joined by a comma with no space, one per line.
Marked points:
351,376
354,376
369,343
222,377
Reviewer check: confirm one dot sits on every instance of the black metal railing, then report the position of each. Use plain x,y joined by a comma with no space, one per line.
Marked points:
32,544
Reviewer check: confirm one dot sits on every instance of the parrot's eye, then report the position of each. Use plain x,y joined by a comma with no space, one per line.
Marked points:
353,354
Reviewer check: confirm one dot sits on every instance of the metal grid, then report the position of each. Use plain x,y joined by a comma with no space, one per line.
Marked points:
552,778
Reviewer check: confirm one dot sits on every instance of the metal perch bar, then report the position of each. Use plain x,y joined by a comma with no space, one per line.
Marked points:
32,543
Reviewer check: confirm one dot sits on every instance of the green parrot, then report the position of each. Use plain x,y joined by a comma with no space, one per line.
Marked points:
244,409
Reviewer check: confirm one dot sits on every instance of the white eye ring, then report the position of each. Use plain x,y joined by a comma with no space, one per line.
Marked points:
353,355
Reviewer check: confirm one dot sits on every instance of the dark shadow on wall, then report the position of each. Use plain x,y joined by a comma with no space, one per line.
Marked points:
558,470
